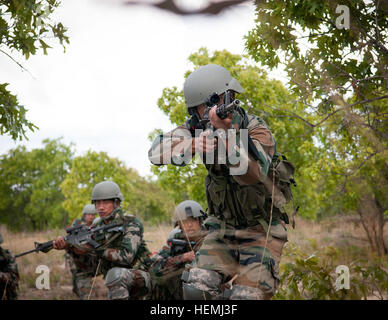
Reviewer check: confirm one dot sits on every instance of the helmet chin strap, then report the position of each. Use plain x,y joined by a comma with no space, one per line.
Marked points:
115,209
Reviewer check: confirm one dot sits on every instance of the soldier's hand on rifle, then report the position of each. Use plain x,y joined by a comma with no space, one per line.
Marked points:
188,256
202,144
60,243
217,122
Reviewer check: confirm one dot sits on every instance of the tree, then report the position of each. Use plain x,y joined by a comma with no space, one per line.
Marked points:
24,27
30,186
336,58
259,96
141,197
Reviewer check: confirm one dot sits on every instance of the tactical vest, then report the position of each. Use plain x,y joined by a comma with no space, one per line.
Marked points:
246,205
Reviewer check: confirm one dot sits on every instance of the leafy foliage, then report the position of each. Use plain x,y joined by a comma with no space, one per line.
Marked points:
48,188
25,26
340,76
30,186
141,197
313,276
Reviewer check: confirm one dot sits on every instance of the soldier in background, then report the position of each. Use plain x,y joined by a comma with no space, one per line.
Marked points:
123,257
82,268
239,258
9,274
169,263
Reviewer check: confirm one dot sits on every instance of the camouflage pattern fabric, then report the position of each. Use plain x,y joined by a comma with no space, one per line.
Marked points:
125,250
239,209
82,268
167,269
245,256
9,275
128,284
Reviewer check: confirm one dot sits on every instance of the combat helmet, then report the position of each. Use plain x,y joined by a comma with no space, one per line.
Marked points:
186,209
106,190
205,81
88,209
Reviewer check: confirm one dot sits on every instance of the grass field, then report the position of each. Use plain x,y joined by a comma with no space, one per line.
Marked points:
340,232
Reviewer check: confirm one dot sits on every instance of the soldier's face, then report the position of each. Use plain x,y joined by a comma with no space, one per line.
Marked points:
89,219
190,226
104,207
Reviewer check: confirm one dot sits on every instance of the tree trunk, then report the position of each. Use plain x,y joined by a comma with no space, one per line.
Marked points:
372,219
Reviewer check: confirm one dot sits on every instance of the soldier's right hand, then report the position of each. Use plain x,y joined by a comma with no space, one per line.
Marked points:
203,144
188,256
60,243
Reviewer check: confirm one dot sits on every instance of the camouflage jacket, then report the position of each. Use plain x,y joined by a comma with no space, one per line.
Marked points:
80,264
9,275
240,198
167,269
125,249
171,147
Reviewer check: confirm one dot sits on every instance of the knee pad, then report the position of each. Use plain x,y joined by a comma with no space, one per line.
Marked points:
113,276
192,293
240,292
201,284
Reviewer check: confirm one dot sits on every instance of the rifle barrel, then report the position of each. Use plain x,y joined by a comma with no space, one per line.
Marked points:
24,253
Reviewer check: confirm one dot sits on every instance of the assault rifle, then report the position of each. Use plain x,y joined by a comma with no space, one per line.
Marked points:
179,246
79,235
222,111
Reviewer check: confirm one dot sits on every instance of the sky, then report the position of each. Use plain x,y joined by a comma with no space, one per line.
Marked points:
101,94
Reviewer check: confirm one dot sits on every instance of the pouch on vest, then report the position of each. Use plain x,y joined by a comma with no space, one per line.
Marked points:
284,175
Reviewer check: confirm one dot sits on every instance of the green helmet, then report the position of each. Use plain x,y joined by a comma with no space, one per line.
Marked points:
186,209
106,190
206,80
89,209
1,238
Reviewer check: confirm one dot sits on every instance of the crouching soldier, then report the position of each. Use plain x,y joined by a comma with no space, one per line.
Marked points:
9,275
168,264
123,257
82,267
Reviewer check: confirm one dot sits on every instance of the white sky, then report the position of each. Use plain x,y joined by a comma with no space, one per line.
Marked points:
101,94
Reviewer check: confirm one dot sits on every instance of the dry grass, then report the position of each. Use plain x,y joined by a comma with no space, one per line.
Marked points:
338,232
60,276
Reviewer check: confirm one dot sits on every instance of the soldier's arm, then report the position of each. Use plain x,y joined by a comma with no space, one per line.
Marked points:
163,263
174,147
265,145
130,244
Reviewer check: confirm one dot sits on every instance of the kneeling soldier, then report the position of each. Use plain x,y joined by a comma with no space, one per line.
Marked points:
123,257
169,263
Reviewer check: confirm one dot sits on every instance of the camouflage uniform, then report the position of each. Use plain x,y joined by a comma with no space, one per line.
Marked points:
9,275
82,268
124,259
167,268
239,208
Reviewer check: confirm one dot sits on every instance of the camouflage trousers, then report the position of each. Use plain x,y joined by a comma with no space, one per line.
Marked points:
128,284
239,261
81,278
